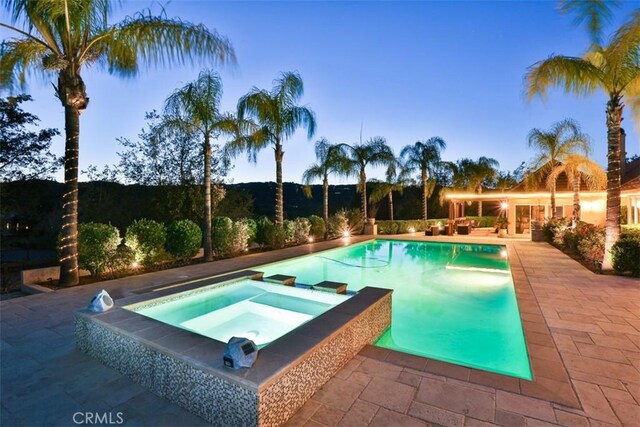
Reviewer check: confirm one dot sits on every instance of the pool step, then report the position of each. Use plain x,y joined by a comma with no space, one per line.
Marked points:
281,279
333,287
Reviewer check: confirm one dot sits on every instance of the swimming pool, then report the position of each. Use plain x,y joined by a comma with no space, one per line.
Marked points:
245,308
451,302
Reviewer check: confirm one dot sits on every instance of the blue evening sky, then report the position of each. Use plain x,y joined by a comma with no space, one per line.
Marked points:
402,70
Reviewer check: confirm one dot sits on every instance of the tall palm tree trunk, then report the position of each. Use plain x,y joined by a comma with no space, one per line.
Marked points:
279,197
363,183
391,205
424,195
72,94
325,205
480,202
69,235
208,251
612,229
575,216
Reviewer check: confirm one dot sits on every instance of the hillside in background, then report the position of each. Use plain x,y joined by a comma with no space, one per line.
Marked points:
36,204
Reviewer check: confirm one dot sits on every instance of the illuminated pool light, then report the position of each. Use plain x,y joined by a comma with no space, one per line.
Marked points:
503,253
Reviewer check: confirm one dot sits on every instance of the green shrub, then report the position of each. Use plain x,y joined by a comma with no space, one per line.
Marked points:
122,259
387,227
354,220
289,231
252,228
240,237
590,242
338,223
553,230
630,231
402,227
318,227
301,229
625,253
184,239
274,236
147,238
222,235
261,229
97,245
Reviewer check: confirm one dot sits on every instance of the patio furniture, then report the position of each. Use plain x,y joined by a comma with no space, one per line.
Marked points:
464,228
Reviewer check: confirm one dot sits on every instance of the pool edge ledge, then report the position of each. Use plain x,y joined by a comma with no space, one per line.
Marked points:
188,370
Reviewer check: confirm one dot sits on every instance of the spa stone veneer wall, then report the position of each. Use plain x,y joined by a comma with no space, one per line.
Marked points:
224,397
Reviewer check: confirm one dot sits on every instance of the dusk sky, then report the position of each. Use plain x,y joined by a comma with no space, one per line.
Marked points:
406,71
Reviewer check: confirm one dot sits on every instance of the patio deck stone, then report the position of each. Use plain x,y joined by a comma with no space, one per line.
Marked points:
582,332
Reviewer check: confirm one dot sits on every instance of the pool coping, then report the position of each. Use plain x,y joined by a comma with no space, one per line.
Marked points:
550,377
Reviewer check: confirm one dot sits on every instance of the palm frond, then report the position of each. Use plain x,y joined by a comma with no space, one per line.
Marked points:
596,13
574,75
18,58
154,40
624,46
312,173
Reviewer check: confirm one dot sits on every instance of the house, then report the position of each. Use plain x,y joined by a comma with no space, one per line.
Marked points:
525,203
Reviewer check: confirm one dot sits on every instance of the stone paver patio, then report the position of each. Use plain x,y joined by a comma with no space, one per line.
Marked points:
582,331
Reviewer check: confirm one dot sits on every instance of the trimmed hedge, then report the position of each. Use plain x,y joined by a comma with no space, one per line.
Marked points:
97,246
625,252
147,238
184,239
318,227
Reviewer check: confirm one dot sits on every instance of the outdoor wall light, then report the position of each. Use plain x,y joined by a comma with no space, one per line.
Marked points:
310,239
504,205
346,233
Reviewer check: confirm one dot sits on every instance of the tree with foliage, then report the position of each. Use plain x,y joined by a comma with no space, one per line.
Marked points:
424,156
329,159
62,37
374,152
196,108
578,168
552,147
277,116
168,156
472,175
396,178
614,68
161,155
24,153
507,179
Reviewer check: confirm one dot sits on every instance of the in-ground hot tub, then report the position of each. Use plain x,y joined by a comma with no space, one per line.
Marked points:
260,311
180,357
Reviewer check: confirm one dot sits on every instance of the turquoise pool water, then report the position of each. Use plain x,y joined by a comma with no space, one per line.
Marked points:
259,311
452,302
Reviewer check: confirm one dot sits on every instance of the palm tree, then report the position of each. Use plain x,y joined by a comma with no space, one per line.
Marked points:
329,160
579,168
196,107
425,156
396,178
553,146
374,152
615,69
479,173
277,115
62,37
